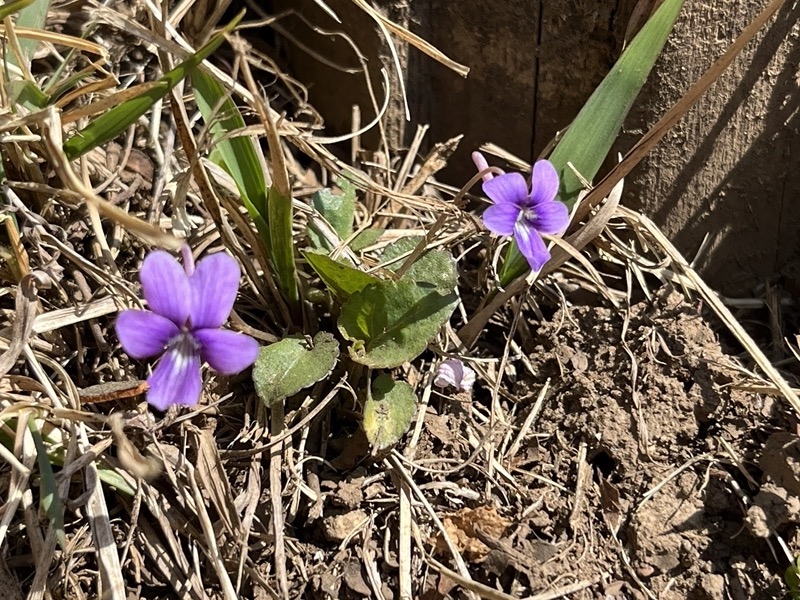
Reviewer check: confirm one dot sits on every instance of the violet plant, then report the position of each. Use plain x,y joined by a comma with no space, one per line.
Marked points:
187,308
524,214
386,319
386,316
581,150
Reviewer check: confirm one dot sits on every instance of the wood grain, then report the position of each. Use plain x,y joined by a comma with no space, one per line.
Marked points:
727,169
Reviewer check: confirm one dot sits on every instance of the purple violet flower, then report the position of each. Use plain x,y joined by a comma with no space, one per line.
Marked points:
453,372
188,307
527,215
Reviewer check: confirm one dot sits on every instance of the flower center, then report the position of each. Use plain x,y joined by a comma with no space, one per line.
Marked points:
528,215
185,344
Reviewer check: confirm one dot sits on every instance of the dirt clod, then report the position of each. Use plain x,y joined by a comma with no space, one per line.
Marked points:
338,527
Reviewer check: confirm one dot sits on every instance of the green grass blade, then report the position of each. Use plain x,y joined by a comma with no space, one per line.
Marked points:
270,210
55,456
118,119
50,500
33,15
10,8
591,135
238,154
110,477
109,125
279,210
26,93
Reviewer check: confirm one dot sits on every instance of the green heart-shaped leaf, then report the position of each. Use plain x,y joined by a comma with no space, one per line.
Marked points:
388,411
365,239
434,266
284,368
337,209
391,322
343,280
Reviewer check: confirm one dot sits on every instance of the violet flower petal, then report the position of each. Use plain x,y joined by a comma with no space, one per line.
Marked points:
507,189
176,378
166,287
468,380
143,333
448,374
531,245
500,218
214,286
226,352
551,217
454,373
544,182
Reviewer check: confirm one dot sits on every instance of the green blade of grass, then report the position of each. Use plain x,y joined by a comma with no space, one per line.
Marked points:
279,201
10,8
591,135
50,500
269,208
279,210
26,93
279,207
55,456
238,154
33,15
118,119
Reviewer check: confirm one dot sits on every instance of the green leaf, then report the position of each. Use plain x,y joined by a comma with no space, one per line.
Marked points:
33,16
113,122
341,279
792,579
337,209
270,210
284,368
27,94
50,500
365,239
110,477
391,322
55,456
434,267
593,132
388,412
238,154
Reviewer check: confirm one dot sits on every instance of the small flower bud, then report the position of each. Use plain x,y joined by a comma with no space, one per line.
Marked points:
454,373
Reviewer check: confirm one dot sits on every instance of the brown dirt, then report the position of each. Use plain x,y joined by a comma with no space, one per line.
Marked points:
652,407
650,398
